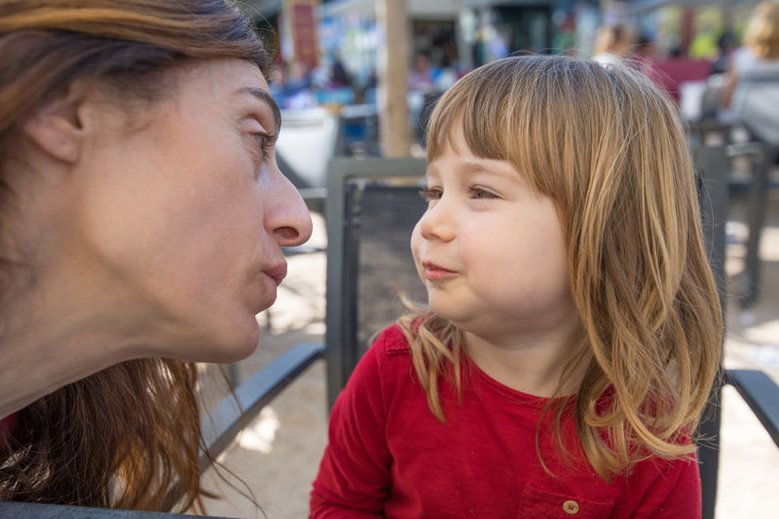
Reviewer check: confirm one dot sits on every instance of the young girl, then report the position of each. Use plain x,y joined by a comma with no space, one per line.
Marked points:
573,330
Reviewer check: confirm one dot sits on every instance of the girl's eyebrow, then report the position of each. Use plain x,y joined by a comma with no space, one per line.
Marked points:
489,167
266,99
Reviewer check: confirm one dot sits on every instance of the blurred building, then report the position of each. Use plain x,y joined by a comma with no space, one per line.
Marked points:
315,38
455,34
465,33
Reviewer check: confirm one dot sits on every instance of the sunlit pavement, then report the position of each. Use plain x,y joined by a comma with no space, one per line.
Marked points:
277,457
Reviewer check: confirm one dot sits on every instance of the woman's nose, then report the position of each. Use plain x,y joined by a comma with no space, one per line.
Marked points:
286,215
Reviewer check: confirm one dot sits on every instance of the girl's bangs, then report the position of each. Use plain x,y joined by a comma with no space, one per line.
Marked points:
475,110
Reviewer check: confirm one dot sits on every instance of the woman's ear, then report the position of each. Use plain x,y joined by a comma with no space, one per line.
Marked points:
56,128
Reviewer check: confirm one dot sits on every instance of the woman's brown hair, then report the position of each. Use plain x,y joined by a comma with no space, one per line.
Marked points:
609,148
123,437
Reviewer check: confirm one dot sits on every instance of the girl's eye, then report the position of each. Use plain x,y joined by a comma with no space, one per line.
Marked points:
481,193
430,193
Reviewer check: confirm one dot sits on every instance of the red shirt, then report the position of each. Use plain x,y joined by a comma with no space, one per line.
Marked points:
388,456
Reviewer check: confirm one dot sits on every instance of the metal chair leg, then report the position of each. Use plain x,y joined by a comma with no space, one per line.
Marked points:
758,205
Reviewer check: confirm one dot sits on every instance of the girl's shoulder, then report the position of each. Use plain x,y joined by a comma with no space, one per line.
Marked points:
382,373
389,350
392,341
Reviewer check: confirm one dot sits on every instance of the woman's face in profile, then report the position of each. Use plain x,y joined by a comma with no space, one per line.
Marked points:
186,212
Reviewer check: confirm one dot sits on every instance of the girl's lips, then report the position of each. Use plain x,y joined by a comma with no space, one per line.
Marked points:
433,272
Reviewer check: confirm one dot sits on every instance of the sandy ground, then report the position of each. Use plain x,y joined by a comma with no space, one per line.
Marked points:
278,455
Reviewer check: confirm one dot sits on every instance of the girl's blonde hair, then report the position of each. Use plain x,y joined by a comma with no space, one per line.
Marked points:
610,149
762,33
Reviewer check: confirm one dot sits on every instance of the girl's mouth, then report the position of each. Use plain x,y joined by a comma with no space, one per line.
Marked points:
433,272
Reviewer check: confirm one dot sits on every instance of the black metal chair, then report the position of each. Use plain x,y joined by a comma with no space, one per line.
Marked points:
371,208
755,387
754,105
39,511
762,157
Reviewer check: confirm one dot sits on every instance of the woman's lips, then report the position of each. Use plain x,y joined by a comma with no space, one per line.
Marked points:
277,273
433,272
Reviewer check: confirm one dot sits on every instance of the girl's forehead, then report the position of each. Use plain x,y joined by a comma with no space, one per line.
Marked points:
450,139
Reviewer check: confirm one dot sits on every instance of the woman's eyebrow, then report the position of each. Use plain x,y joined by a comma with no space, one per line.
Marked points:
265,98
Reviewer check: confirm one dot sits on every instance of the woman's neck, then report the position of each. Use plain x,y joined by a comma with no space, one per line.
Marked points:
52,339
31,368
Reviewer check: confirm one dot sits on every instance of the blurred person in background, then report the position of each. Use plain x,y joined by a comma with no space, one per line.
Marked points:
644,56
613,43
760,52
646,47
421,77
339,76
725,44
142,220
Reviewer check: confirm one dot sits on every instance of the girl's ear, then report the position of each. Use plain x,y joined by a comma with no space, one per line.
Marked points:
56,128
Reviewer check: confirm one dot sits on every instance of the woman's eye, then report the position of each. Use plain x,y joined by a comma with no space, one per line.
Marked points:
265,142
481,193
429,193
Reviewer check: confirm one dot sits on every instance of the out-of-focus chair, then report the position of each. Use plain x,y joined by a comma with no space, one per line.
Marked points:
755,105
371,207
757,389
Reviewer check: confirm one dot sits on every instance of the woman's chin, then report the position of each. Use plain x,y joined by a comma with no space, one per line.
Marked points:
243,347
230,344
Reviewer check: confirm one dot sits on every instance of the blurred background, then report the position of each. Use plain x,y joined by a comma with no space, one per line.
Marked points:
380,64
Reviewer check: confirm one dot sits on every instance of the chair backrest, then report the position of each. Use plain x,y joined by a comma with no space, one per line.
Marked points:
371,207
713,170
755,387
755,104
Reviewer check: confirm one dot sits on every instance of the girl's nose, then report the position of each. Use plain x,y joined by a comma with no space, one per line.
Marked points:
286,215
437,223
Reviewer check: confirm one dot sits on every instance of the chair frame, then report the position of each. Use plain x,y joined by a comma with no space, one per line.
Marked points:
341,350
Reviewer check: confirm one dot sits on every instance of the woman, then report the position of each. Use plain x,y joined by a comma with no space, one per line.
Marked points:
142,217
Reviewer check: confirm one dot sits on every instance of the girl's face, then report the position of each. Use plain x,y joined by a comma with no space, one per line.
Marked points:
491,250
174,227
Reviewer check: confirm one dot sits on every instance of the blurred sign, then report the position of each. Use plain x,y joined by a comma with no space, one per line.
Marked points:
301,19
